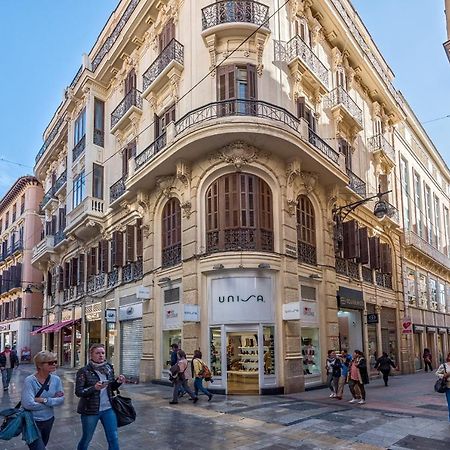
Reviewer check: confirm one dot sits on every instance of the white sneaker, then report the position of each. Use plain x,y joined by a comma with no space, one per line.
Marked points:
332,395
353,400
361,402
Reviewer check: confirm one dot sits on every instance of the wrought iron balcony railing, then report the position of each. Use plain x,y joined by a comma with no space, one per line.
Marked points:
133,98
171,256
50,138
79,148
237,239
413,239
356,184
229,11
48,196
60,182
117,190
321,145
59,237
154,148
174,51
339,96
379,142
297,48
307,253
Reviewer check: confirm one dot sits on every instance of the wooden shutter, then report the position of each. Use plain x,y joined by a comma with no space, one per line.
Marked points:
54,229
74,272
49,283
66,275
363,246
130,81
226,85
346,150
103,256
166,35
385,258
60,278
351,239
252,80
139,240
124,162
81,269
301,107
374,248
117,249
130,243
62,218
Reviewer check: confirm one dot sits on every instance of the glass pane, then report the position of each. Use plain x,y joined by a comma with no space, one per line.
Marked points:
215,355
169,337
269,350
311,351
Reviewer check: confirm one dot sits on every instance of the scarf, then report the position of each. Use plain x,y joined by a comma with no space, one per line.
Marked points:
100,367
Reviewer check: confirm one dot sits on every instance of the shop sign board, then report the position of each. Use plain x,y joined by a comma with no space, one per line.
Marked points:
111,315
431,329
308,312
5,327
241,299
130,312
93,316
143,293
291,311
442,330
172,317
418,328
407,325
372,318
350,298
191,313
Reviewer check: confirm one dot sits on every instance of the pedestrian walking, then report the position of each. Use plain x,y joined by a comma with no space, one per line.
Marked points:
49,387
427,357
383,365
331,359
358,377
444,372
345,364
94,385
199,372
8,361
179,379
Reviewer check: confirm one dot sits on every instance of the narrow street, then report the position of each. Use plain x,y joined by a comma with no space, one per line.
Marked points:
405,415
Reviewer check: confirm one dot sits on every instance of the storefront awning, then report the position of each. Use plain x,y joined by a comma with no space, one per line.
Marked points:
41,329
59,325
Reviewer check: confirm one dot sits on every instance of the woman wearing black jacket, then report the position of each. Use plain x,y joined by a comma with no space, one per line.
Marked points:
94,386
384,364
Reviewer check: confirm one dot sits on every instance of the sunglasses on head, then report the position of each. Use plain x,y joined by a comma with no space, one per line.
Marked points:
53,363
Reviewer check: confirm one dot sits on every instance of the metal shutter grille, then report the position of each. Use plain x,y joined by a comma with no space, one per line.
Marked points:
131,347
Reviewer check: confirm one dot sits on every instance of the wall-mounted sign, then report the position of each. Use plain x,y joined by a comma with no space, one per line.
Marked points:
418,328
291,250
291,311
308,312
372,318
171,316
130,312
93,316
431,329
350,298
143,293
111,315
241,299
5,327
407,325
442,330
191,313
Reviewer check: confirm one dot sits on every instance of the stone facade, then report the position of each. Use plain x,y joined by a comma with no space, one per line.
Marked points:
214,162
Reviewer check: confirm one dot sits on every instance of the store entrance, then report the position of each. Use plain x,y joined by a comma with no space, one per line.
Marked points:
242,362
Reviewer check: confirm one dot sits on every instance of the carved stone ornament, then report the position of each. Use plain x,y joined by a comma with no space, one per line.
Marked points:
309,181
336,58
238,154
143,200
184,172
165,185
186,206
293,170
291,206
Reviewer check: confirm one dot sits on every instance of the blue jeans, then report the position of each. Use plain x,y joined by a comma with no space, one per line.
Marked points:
89,423
198,386
447,394
6,377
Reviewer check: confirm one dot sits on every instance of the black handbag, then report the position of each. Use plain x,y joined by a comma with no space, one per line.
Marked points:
441,384
124,409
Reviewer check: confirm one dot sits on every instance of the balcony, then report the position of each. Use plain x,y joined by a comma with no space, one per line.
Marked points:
425,248
49,195
88,212
345,108
50,138
132,271
356,184
315,140
59,237
117,190
382,150
60,183
307,253
171,256
155,147
167,65
129,108
43,250
79,148
239,239
235,11
301,58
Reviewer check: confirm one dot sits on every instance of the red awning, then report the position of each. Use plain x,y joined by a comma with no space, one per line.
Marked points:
58,326
40,330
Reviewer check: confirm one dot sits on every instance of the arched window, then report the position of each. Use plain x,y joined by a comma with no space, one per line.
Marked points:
239,214
306,231
171,234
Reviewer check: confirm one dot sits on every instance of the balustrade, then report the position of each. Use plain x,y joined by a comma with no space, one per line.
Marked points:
133,98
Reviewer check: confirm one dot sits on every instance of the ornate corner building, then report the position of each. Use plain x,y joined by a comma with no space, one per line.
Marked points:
193,174
20,231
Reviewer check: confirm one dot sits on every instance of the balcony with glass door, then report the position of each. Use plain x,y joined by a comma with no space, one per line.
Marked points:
301,58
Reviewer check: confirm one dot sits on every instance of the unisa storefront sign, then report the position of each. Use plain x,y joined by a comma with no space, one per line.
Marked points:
241,299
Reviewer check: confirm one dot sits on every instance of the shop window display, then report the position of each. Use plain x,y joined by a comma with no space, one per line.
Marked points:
311,351
269,350
170,337
215,351
418,351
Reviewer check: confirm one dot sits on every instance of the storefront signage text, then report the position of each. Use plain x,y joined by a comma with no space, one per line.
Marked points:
143,293
407,325
130,312
372,318
110,315
191,313
241,299
350,298
171,317
291,311
5,327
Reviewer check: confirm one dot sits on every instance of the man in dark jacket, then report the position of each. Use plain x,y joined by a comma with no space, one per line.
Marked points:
8,361
384,364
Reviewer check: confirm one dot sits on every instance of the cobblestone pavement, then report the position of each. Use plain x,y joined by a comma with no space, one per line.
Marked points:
405,415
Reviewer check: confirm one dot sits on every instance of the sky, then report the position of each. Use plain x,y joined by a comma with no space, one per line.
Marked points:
42,42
